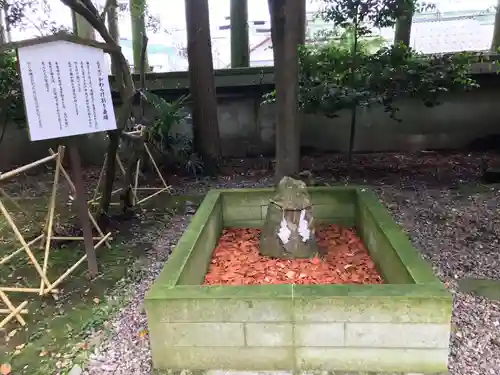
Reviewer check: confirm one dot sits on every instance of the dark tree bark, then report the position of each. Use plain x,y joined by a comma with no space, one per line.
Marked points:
495,42
240,51
202,85
302,21
138,22
114,31
3,30
89,12
285,33
402,30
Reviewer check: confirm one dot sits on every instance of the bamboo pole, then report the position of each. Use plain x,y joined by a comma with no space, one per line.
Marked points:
75,266
134,132
11,308
101,175
12,200
95,200
153,195
5,259
136,182
7,311
52,207
24,290
21,239
97,196
62,238
24,168
92,219
120,165
13,314
124,172
156,166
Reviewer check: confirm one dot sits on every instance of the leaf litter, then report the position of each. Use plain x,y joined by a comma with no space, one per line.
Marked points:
345,260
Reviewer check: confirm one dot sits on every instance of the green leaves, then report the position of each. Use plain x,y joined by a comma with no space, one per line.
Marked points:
329,82
11,96
349,67
365,13
176,149
167,115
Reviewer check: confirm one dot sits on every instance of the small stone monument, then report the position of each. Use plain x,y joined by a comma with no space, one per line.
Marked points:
288,231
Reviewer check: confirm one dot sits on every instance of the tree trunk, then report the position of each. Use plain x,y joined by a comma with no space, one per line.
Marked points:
302,40
402,31
113,28
495,43
240,51
87,10
285,16
302,22
3,31
137,15
82,28
7,27
202,85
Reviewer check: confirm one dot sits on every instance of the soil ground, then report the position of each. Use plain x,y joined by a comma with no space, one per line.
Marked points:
450,215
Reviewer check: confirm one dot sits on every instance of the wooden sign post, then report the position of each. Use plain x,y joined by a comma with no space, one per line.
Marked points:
66,94
82,206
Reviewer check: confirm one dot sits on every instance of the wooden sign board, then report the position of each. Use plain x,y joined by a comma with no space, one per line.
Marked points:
66,90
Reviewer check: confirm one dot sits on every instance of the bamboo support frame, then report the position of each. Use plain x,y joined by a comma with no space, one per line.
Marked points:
12,309
24,168
95,199
92,219
21,239
52,207
13,254
138,130
25,290
46,238
13,201
75,266
7,311
136,188
13,314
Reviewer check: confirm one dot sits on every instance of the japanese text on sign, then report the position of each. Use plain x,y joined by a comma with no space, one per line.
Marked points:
66,96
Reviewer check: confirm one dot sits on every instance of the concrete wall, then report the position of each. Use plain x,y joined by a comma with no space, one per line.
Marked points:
247,128
16,148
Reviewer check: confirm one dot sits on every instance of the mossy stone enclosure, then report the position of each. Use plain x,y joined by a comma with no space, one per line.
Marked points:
401,327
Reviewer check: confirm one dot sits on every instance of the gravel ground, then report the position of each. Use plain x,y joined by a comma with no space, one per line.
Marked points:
454,228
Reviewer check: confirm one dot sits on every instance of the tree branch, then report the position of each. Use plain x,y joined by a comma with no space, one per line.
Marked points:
142,72
87,10
4,128
90,6
106,8
91,16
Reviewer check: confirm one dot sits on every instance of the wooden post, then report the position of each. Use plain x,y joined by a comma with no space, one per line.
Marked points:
240,51
81,203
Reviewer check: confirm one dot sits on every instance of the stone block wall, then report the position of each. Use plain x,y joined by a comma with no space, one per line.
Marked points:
250,210
248,129
304,333
394,328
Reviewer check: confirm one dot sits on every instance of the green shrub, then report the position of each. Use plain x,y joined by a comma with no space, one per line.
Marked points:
11,96
176,150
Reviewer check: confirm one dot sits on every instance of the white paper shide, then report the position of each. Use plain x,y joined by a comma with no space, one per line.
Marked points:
66,90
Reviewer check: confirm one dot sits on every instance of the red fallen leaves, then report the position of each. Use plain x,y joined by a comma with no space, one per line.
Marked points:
236,261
